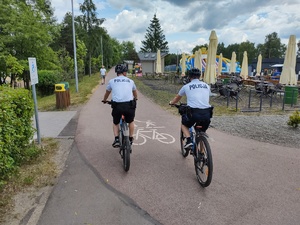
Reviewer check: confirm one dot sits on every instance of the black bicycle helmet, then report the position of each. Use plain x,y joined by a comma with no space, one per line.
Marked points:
124,68
194,73
118,69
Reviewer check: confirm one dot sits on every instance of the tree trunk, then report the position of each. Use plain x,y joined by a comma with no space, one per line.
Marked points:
90,65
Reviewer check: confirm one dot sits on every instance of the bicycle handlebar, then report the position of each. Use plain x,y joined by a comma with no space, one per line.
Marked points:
106,102
177,105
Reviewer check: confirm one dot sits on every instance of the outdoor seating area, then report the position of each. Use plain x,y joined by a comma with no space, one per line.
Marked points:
256,92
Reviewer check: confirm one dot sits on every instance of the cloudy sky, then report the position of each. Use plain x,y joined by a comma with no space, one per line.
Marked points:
187,23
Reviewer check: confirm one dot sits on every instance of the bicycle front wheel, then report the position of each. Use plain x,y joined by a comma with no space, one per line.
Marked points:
126,153
184,152
203,161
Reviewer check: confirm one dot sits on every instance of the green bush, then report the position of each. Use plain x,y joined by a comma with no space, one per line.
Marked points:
47,81
16,131
294,119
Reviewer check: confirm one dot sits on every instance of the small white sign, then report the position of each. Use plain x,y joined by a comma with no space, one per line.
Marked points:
33,71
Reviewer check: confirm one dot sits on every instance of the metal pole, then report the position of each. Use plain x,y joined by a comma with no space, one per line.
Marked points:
260,101
236,101
74,43
101,52
177,61
249,102
36,114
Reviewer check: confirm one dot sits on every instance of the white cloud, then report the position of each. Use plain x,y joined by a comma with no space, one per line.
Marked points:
186,25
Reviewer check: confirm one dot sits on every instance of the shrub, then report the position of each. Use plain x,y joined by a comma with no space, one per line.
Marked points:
47,81
294,119
16,131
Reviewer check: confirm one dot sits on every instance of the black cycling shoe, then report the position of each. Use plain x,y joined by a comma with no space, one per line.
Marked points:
116,143
188,146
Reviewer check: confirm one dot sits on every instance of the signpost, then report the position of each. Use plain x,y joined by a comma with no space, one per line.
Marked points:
34,80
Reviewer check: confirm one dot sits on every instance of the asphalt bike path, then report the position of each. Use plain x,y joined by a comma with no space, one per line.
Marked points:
253,182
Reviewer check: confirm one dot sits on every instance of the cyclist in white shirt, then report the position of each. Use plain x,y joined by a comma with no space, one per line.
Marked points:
197,93
124,96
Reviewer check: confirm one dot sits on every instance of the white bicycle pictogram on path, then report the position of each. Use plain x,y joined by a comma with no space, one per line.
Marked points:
149,131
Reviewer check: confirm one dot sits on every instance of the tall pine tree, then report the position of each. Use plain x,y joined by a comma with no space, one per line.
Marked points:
154,38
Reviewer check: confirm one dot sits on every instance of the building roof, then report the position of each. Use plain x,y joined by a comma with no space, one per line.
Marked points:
129,61
150,56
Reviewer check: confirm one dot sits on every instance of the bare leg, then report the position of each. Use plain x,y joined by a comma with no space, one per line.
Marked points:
116,129
185,131
131,129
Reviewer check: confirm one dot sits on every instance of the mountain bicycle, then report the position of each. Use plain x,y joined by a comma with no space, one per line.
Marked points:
125,146
200,150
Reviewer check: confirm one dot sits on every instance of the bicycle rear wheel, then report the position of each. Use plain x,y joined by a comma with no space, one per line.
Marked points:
126,153
184,152
203,161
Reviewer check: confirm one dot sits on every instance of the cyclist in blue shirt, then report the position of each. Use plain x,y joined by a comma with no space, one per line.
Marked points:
124,96
200,111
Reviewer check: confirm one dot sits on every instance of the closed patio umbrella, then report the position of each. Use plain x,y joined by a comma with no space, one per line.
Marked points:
232,63
210,70
220,64
258,66
288,75
158,62
183,65
244,70
197,60
200,61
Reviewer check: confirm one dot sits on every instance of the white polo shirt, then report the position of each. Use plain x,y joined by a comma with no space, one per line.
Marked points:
197,93
103,71
121,88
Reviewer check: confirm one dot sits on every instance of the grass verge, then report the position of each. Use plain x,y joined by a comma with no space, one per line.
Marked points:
37,173
86,86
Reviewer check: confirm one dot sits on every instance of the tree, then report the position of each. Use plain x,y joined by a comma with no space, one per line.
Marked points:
251,51
154,38
65,39
128,51
221,48
171,59
227,52
27,29
272,48
90,22
13,68
115,49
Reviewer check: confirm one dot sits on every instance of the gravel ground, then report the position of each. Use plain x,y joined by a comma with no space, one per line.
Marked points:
267,128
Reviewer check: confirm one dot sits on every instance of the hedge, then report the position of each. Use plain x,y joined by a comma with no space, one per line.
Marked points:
47,81
16,130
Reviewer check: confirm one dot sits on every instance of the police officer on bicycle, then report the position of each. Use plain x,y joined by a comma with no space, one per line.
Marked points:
124,96
200,111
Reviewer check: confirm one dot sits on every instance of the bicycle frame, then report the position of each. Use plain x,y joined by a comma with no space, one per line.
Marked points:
124,127
193,135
